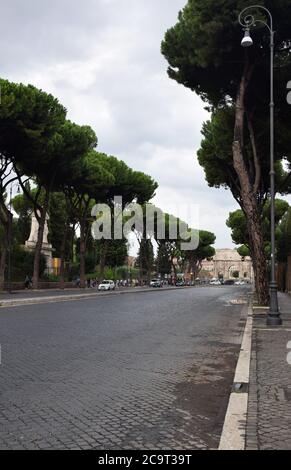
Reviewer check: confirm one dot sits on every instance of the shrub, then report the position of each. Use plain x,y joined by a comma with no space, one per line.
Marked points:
22,263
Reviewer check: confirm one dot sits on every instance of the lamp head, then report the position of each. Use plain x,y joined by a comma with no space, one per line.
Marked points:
247,40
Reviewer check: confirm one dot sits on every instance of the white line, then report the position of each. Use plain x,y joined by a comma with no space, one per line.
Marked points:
242,374
233,436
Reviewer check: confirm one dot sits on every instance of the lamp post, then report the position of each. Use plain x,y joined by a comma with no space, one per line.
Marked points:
248,20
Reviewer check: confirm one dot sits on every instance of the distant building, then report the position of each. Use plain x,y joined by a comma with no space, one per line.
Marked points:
131,261
226,263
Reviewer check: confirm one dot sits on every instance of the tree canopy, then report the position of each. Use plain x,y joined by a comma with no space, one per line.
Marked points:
204,54
238,224
204,49
59,171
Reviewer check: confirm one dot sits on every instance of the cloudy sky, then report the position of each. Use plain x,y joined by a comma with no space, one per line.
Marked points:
102,59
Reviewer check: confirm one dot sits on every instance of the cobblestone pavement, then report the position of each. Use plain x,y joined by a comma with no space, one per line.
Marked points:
269,411
144,371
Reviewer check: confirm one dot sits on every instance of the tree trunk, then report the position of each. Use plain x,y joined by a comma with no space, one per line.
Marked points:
249,197
82,254
2,266
3,255
103,255
140,272
174,268
258,249
149,275
63,256
140,263
6,221
72,244
41,222
195,269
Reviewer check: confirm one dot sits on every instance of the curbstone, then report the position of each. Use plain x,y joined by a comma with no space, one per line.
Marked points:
234,432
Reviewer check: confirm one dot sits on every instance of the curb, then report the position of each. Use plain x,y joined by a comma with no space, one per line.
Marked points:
234,432
67,298
252,440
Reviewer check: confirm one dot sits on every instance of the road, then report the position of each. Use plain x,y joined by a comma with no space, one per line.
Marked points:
137,371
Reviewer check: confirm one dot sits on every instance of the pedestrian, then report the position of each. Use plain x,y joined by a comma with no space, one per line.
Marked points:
27,282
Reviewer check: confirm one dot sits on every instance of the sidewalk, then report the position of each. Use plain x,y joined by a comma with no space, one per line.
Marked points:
30,293
269,407
29,297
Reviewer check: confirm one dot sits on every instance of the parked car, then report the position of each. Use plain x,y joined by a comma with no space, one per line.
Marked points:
229,283
156,283
215,282
180,283
106,285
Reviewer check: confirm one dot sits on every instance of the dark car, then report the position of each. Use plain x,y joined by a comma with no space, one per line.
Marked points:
229,283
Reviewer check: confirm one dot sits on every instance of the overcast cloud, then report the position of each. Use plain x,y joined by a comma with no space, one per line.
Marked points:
102,59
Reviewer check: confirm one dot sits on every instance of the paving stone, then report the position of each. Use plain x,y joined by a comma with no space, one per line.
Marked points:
269,412
144,371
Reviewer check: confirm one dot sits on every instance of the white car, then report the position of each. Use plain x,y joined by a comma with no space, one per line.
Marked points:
156,283
215,282
106,285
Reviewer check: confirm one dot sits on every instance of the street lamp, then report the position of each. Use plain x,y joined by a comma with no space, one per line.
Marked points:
247,21
247,40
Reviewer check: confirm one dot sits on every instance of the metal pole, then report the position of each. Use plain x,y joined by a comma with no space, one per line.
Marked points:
274,318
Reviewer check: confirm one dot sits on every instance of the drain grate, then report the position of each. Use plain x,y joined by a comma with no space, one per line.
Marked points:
287,393
240,388
283,394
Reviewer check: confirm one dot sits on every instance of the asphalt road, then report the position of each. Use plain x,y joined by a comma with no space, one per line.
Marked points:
137,371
